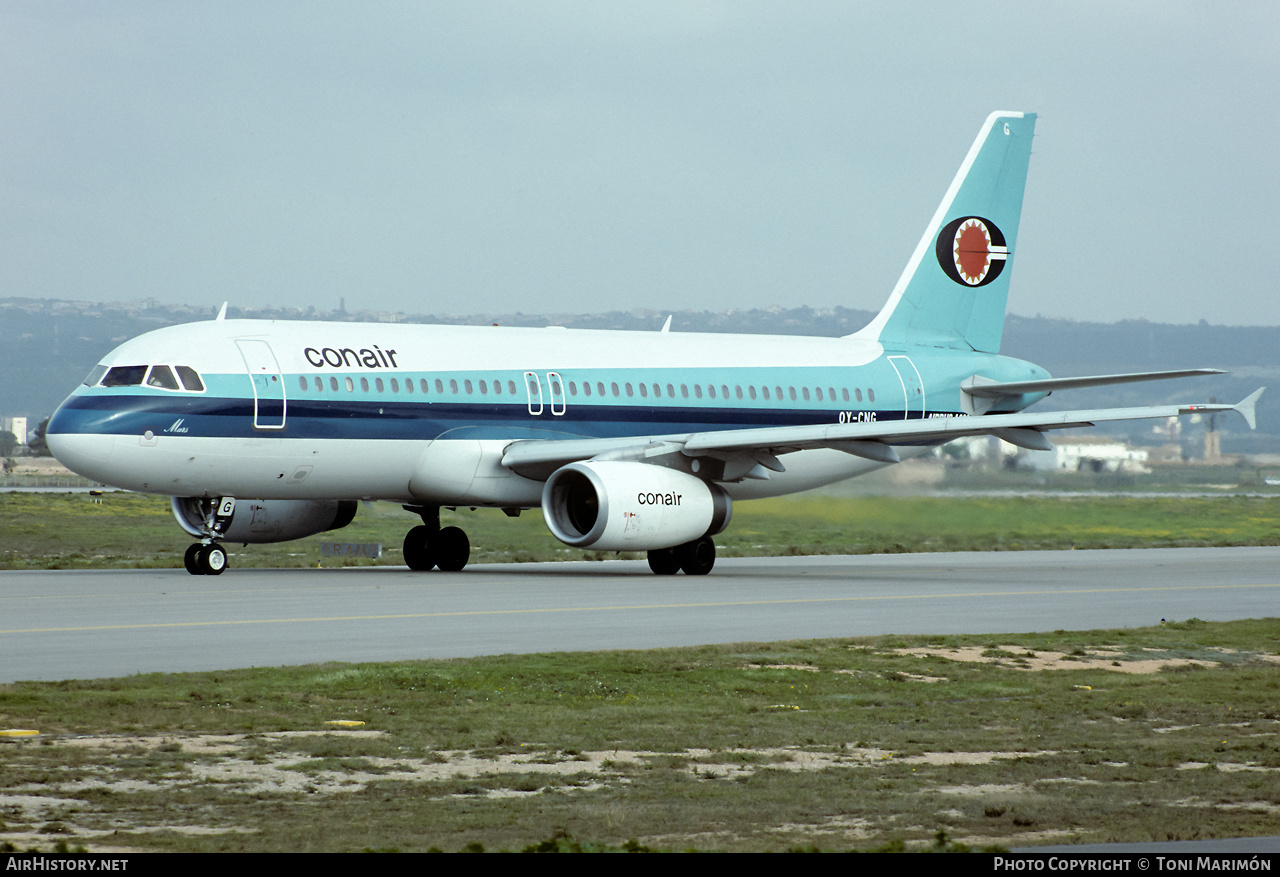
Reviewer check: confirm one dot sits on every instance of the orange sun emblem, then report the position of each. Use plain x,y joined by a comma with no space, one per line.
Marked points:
972,250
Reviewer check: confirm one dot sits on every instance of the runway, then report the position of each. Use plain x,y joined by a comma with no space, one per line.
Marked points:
96,624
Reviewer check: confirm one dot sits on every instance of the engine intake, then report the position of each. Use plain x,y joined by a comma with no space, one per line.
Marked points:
625,506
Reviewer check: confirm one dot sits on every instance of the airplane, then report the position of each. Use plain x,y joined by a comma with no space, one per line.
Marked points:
267,431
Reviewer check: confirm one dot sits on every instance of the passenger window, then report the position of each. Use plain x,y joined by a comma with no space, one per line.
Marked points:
351,387
586,388
364,385
377,383
871,394
333,384
453,386
395,386
302,382
844,393
644,391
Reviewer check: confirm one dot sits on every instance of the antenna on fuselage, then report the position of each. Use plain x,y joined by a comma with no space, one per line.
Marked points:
222,312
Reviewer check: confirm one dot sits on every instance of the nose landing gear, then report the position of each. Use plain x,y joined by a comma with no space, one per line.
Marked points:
205,560
207,557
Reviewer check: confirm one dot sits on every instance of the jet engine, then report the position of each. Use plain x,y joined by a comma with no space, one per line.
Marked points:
260,520
625,506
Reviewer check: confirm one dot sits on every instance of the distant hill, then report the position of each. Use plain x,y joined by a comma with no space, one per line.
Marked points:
49,346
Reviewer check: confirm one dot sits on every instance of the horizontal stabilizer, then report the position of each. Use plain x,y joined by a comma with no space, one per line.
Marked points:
997,390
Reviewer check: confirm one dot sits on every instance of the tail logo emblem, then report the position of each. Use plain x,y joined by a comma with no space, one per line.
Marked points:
972,250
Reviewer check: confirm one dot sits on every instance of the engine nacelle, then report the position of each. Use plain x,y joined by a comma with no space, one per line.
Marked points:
261,520
622,506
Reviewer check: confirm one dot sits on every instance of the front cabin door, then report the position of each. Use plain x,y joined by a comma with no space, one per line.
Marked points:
267,381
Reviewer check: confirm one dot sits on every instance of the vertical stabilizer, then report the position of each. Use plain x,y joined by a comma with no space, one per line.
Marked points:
954,290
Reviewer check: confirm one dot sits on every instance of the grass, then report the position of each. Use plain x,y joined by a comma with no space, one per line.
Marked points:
64,531
829,744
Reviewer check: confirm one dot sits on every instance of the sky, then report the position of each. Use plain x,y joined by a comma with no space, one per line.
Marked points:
578,157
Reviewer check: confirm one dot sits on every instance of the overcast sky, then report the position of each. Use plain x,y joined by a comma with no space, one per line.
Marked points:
470,157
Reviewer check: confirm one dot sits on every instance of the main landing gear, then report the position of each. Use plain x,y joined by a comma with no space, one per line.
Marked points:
696,558
429,546
207,557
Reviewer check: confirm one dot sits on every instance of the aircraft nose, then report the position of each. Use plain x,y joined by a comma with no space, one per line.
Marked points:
82,453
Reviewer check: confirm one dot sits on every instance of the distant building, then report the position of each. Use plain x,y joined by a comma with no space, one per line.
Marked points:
1088,454
15,425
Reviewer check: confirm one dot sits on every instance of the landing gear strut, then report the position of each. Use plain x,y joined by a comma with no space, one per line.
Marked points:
429,546
207,557
696,558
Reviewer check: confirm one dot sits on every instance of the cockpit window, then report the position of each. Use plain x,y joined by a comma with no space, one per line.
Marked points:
190,380
162,376
124,376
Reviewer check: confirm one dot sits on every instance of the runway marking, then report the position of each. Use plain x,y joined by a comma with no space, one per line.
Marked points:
636,607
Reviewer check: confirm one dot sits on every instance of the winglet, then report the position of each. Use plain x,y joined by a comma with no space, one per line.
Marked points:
1247,405
666,327
222,312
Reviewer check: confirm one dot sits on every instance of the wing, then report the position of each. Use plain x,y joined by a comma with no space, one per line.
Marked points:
746,449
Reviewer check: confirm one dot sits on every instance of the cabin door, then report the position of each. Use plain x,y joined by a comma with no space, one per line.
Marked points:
267,381
912,387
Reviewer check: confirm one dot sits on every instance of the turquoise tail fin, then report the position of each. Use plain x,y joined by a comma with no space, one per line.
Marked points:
954,290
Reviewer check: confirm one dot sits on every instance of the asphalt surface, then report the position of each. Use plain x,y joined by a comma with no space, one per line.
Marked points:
95,624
